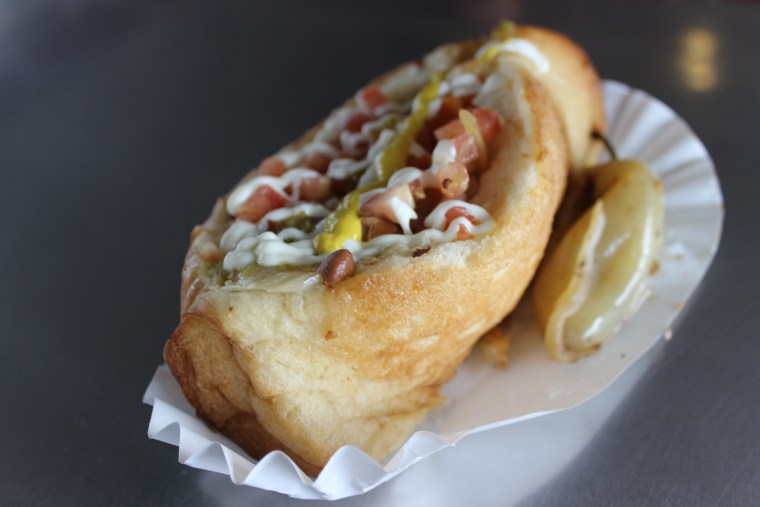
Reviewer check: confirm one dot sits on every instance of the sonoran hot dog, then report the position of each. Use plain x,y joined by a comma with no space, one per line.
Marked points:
437,185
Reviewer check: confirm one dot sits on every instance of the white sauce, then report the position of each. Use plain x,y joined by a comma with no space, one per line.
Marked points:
490,96
307,208
403,214
373,126
519,47
433,108
366,196
458,85
423,238
269,249
246,243
350,141
441,59
333,125
416,150
320,147
391,107
465,84
403,86
290,158
403,176
293,158
437,218
290,234
241,229
291,178
444,152
343,168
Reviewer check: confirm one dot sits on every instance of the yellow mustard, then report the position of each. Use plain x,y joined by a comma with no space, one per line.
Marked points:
343,224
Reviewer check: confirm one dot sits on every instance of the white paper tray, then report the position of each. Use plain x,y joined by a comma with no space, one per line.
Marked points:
480,396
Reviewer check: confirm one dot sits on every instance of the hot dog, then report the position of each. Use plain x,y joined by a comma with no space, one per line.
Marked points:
335,289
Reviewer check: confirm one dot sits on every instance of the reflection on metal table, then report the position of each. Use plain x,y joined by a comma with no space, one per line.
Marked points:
123,120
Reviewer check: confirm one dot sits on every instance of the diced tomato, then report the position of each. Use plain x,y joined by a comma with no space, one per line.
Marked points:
263,200
450,130
463,233
372,97
317,161
315,189
488,122
380,206
354,124
272,166
456,212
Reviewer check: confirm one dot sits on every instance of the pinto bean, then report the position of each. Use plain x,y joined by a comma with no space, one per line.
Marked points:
338,266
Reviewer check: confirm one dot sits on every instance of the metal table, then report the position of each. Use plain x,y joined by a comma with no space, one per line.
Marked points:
122,121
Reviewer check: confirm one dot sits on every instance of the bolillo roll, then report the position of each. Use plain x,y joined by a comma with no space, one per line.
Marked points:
336,288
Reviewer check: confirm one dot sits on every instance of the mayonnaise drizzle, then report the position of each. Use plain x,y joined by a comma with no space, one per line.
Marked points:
350,141
437,218
519,47
239,230
403,176
270,249
342,168
403,86
465,84
307,208
291,178
293,158
331,127
246,243
243,229
403,214
426,237
490,95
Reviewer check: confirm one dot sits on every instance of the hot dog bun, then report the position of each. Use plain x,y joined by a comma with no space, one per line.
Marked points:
307,369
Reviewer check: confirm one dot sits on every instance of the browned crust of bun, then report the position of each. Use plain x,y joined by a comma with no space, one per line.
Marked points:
202,360
361,364
575,88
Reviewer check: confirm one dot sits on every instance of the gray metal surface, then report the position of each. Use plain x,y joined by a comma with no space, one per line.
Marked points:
121,121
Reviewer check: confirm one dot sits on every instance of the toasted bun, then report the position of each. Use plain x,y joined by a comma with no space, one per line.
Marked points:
310,370
575,89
